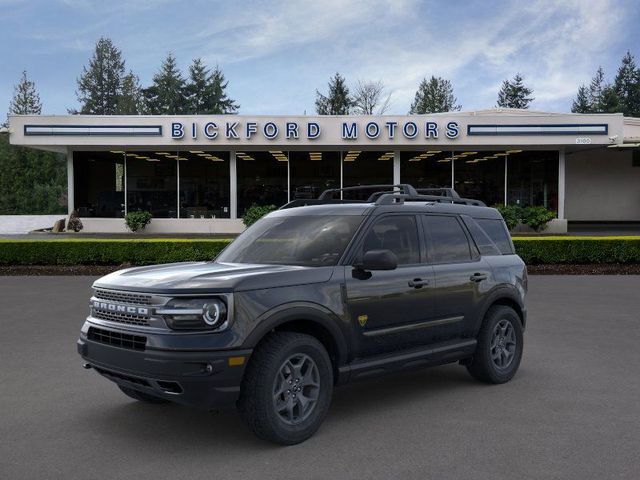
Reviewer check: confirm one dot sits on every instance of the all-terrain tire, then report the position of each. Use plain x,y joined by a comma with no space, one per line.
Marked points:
141,396
262,392
496,360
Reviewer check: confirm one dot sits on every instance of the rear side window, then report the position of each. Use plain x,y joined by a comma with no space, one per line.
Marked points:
396,233
448,242
484,243
497,231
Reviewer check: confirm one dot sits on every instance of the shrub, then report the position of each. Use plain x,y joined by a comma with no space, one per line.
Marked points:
578,250
511,214
137,220
255,213
537,217
74,222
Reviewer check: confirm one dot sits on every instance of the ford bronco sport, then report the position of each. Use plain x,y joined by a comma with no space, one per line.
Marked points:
312,296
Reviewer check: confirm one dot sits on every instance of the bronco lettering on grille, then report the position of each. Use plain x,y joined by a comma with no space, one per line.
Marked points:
113,307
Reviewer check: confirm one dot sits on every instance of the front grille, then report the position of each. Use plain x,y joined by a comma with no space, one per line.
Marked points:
124,297
117,339
120,376
128,318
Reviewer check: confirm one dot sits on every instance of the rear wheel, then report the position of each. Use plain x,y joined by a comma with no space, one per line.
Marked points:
287,388
499,349
141,396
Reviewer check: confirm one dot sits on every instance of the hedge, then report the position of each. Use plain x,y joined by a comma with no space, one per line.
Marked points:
533,250
578,250
107,252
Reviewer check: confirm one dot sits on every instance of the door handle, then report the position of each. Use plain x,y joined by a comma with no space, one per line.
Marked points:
418,283
478,277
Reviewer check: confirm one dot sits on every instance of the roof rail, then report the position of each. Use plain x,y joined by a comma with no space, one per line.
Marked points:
401,187
388,195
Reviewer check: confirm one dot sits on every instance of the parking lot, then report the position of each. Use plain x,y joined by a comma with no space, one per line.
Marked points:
573,410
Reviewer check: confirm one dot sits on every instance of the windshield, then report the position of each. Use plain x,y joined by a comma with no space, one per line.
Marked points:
314,241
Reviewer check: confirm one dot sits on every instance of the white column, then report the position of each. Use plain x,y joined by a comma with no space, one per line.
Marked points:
396,167
125,185
288,177
453,171
506,166
233,185
561,182
70,193
178,187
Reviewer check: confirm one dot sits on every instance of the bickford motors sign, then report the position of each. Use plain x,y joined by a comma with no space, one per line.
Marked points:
290,130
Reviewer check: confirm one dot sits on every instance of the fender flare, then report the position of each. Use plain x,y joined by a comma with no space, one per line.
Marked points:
501,293
311,312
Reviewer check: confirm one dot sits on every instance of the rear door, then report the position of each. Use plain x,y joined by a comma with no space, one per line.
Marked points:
462,277
388,309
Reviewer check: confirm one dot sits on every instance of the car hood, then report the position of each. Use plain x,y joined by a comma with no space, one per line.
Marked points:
200,277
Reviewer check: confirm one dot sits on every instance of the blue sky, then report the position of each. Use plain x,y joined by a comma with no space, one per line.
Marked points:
276,53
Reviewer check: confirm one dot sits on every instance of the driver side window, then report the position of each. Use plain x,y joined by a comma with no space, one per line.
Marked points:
397,233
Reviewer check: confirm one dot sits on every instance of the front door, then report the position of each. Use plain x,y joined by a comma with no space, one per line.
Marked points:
389,309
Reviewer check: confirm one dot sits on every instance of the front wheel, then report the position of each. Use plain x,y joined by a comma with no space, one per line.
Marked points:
499,349
287,388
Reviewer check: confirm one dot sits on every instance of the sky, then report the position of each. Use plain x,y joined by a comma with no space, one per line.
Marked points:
275,54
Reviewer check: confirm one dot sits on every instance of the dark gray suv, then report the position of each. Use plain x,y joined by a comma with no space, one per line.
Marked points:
313,296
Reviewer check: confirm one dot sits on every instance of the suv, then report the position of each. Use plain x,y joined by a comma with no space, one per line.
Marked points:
314,296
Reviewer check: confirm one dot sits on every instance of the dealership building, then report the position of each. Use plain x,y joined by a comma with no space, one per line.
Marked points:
200,173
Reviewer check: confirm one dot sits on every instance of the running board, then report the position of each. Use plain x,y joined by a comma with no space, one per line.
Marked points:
436,354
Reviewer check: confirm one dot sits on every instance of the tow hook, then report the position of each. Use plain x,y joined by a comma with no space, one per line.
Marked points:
86,366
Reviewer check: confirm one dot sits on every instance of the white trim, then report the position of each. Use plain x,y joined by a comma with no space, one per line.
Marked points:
233,186
506,177
396,167
561,183
70,189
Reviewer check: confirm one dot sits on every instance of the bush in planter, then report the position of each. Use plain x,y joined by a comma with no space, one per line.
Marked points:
537,217
137,220
512,214
74,222
255,213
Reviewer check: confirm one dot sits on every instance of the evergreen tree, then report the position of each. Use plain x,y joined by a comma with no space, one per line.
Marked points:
596,89
337,101
206,92
99,85
581,103
514,93
166,96
627,86
130,100
26,100
434,95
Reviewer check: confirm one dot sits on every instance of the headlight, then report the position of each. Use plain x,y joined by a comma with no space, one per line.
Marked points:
194,314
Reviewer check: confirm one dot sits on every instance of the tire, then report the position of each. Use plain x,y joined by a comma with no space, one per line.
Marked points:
499,348
141,396
285,368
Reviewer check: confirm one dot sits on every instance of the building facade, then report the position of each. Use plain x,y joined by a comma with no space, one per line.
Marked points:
201,173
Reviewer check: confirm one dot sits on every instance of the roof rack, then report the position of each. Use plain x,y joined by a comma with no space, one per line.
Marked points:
388,195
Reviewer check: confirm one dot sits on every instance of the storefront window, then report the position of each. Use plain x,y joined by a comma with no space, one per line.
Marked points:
426,169
366,168
532,178
99,184
152,183
262,179
313,172
204,184
480,175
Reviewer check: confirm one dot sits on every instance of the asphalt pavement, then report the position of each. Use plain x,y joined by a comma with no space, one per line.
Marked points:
572,411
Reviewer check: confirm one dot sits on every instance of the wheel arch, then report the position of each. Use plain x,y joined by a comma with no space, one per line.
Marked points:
314,320
508,299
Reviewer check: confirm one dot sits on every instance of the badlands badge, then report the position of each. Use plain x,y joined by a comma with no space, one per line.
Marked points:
362,319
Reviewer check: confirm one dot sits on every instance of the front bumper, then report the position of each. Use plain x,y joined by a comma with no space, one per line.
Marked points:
205,379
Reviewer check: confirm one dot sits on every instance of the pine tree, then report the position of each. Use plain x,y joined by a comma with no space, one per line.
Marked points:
596,88
581,104
130,101
206,92
337,101
166,96
434,95
26,100
99,85
627,86
514,93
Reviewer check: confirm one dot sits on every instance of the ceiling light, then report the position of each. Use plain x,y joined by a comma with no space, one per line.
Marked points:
117,151
444,160
162,153
196,151
152,160
500,154
514,151
434,151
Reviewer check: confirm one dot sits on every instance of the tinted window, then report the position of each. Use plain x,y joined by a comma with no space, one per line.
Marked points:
314,240
398,234
484,243
448,242
497,232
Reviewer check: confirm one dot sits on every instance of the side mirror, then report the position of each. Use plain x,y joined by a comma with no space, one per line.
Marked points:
379,260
